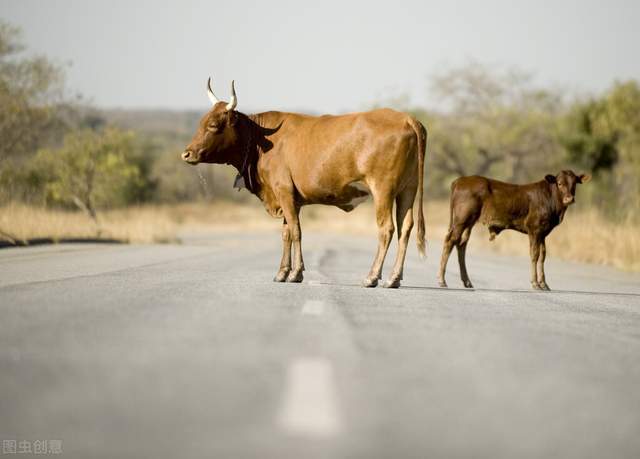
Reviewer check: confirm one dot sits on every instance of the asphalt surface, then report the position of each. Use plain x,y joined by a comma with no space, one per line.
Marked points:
192,351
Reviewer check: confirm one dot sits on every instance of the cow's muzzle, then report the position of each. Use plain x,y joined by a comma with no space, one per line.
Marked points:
568,200
190,157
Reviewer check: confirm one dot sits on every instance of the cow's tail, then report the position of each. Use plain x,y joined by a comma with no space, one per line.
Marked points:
421,134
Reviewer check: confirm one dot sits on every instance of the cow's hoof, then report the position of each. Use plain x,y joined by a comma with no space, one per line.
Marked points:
544,286
295,276
468,284
392,283
535,286
370,282
281,276
442,283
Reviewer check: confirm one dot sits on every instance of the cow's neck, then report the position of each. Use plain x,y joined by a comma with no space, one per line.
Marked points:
255,140
558,207
245,158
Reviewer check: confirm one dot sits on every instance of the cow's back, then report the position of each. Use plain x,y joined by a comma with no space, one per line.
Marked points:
323,154
341,139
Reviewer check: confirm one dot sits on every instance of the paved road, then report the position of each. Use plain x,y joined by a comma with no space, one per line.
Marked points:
191,351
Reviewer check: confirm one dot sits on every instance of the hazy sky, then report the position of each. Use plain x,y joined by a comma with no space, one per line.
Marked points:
321,56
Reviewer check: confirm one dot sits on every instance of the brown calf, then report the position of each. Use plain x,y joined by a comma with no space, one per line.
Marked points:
534,209
289,160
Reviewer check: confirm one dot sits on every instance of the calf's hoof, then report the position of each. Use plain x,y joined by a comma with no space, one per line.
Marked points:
535,286
544,286
370,282
295,276
281,276
442,283
394,282
467,284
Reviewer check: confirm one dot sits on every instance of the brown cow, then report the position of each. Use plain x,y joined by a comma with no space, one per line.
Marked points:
289,160
534,209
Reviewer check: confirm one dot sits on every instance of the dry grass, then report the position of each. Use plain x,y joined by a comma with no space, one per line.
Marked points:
584,236
135,224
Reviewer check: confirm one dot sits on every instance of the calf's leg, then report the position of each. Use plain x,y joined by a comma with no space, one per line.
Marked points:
453,238
464,214
404,222
384,204
449,242
540,266
534,252
285,262
462,251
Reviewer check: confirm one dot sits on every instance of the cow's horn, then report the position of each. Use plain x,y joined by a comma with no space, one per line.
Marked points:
212,97
234,100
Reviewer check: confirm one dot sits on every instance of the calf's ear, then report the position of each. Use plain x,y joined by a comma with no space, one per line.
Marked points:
584,178
550,178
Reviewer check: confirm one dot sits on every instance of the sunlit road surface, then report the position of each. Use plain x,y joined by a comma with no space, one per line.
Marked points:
191,350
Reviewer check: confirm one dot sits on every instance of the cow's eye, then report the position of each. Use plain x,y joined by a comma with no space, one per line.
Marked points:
213,127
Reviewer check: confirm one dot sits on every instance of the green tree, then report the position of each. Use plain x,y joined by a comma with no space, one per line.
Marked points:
589,138
32,109
92,169
602,134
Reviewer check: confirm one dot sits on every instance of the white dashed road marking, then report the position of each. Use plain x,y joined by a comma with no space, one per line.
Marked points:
310,405
313,307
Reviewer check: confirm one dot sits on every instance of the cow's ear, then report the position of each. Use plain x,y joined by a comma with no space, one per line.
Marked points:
232,118
550,178
584,178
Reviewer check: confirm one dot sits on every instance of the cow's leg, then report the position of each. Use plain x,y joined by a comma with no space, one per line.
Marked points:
540,266
384,205
404,222
296,238
534,251
285,263
462,251
291,215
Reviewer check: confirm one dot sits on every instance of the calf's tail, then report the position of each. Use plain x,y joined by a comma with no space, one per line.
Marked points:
421,134
450,230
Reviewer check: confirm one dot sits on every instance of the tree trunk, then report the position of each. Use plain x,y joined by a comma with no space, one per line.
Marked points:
87,207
